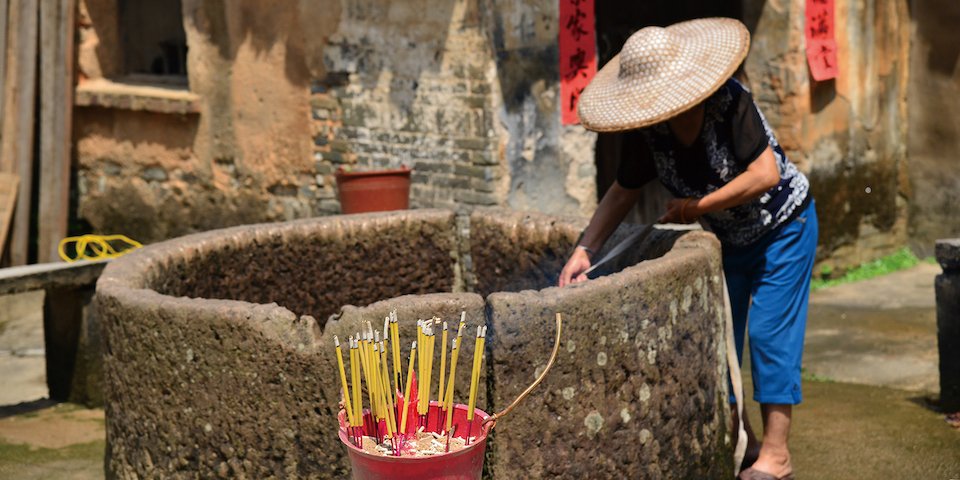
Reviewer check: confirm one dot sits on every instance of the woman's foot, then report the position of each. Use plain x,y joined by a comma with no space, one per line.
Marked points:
772,463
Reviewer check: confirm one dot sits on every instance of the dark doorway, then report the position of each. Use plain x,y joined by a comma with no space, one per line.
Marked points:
615,22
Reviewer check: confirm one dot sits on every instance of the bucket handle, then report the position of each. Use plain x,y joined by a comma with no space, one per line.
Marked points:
492,420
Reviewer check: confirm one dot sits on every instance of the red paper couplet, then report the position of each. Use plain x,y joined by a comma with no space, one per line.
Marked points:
821,40
578,55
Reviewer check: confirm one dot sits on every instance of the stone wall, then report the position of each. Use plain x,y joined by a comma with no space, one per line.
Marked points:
848,134
934,133
216,373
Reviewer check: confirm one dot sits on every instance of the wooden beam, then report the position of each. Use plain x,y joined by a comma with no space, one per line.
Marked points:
8,198
4,5
16,155
56,108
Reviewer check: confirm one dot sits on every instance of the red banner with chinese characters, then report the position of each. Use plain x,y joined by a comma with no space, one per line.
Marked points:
821,40
578,55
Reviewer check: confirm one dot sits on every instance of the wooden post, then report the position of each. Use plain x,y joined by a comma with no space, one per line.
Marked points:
56,108
16,155
4,4
8,198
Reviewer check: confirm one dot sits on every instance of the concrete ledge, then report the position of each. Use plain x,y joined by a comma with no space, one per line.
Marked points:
41,276
135,96
218,358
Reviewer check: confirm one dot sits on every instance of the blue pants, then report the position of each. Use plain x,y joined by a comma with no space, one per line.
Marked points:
769,283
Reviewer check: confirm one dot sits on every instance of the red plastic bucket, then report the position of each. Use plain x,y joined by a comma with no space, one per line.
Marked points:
374,191
464,464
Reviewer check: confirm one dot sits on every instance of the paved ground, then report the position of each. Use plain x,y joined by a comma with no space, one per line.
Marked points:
869,410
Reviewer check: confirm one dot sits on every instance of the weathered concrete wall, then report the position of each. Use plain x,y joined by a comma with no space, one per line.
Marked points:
244,156
233,385
551,167
848,134
934,131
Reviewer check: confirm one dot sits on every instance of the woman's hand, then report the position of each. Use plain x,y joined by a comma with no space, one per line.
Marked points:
573,271
681,210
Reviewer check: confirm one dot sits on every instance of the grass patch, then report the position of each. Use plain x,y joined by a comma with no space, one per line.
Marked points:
808,376
12,454
899,260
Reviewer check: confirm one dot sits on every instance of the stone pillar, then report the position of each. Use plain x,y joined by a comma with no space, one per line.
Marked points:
948,322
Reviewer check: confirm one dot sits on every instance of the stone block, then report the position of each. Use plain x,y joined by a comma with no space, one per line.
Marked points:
948,254
947,286
471,143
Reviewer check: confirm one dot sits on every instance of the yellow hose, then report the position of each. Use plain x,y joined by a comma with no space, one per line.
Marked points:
96,247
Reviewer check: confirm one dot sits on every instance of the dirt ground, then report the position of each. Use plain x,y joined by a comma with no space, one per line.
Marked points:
868,412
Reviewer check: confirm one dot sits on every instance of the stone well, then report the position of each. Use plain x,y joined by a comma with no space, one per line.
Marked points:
219,355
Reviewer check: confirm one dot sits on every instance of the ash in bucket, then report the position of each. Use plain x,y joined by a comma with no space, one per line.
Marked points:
404,421
420,444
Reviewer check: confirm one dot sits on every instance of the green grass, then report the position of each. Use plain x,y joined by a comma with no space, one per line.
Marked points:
899,260
808,376
12,454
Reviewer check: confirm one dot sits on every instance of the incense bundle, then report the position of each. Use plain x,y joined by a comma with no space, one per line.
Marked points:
375,361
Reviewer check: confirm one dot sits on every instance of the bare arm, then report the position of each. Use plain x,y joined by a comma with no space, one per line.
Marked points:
614,206
760,176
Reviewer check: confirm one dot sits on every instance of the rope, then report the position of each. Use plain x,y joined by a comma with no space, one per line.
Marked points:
98,246
492,420
740,448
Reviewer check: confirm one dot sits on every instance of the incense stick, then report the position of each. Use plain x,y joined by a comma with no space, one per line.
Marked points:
406,391
343,383
443,365
477,360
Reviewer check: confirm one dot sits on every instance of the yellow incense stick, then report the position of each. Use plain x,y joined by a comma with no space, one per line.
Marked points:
443,364
448,401
474,376
428,380
391,413
375,375
343,381
364,364
355,383
454,355
378,373
423,350
406,391
395,339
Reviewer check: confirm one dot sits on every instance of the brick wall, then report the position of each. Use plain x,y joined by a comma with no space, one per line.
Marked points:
409,96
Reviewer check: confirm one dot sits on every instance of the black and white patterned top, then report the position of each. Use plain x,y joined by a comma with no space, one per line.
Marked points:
733,135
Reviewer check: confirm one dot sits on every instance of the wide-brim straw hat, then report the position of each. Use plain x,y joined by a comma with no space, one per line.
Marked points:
661,72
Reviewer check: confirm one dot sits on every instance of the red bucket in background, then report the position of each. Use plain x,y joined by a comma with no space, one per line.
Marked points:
374,191
465,464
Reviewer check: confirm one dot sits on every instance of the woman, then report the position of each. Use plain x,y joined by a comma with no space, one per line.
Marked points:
705,140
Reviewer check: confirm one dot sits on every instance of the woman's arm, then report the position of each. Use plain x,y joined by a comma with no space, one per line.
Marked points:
614,206
760,176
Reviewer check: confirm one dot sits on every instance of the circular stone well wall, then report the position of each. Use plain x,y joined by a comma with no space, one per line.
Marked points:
219,362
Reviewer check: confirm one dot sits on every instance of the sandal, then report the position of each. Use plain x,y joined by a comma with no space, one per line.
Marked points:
749,458
751,474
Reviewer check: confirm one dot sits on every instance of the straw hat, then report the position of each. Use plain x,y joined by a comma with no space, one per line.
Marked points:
661,72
